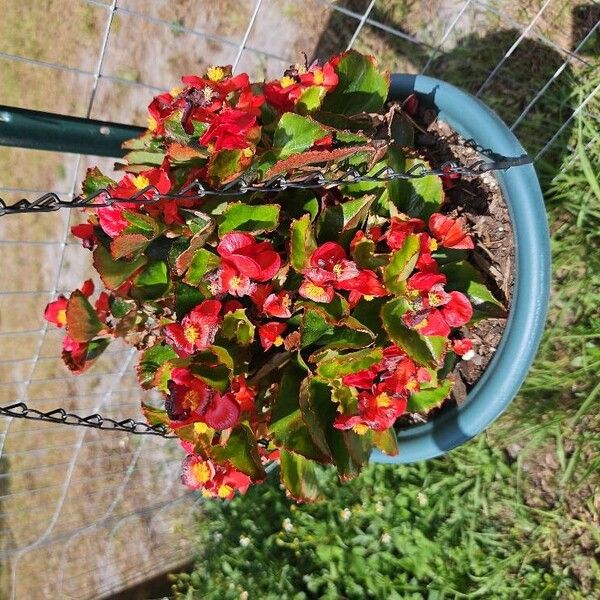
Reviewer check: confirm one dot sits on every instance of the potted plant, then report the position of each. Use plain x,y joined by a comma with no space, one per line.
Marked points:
295,297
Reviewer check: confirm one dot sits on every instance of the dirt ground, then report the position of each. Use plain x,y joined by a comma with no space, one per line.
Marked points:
83,513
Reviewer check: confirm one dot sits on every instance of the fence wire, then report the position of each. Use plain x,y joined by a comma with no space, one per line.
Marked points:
85,514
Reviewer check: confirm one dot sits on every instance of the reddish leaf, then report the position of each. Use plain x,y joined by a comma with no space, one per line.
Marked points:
83,323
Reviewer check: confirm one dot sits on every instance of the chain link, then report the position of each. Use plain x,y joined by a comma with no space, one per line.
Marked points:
95,421
51,201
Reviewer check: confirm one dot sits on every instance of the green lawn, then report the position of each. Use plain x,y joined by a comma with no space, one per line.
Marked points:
512,514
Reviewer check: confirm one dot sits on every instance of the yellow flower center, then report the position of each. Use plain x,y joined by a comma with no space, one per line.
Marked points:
421,325
201,428
215,73
433,245
247,152
224,491
319,77
360,428
286,301
338,269
141,182
152,124
434,299
383,400
278,341
287,81
201,472
235,282
411,385
61,316
191,334
368,298
176,91
314,290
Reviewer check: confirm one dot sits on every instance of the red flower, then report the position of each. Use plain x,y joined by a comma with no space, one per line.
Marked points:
190,400
377,411
283,93
278,305
215,480
159,110
187,395
74,354
56,311
197,329
196,472
449,232
324,76
270,334
250,103
232,282
247,257
111,218
463,348
231,130
436,311
243,393
85,232
401,227
331,269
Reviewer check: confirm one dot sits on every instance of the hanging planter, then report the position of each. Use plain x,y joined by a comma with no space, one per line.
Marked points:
302,281
505,373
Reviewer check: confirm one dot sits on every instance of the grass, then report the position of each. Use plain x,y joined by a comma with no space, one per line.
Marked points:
516,512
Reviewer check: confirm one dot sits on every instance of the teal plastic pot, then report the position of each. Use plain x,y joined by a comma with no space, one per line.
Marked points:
506,371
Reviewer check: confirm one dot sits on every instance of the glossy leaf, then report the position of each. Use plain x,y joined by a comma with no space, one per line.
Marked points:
236,325
298,475
426,350
402,264
151,360
95,181
244,217
302,243
294,134
332,366
202,263
240,450
426,400
151,283
361,87
115,272
422,196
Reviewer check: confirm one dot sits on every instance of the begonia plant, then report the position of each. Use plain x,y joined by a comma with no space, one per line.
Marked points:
295,325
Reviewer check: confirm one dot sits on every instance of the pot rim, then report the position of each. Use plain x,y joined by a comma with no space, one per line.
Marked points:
507,370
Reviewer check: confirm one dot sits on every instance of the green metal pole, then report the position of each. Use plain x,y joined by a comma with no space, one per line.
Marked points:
59,133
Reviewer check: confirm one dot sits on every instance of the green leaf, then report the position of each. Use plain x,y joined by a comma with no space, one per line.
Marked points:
119,307
186,298
319,327
402,264
226,165
152,282
294,134
419,197
240,450
155,416
115,272
386,441
151,360
95,181
341,218
364,255
298,475
243,217
214,366
302,243
82,321
237,325
425,400
202,262
287,426
310,99
332,365
361,87
349,451
143,157
426,350
142,224
464,277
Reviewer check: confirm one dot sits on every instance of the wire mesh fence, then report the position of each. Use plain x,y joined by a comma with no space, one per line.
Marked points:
84,514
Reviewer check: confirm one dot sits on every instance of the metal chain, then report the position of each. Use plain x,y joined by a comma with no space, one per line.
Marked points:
50,201
95,421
